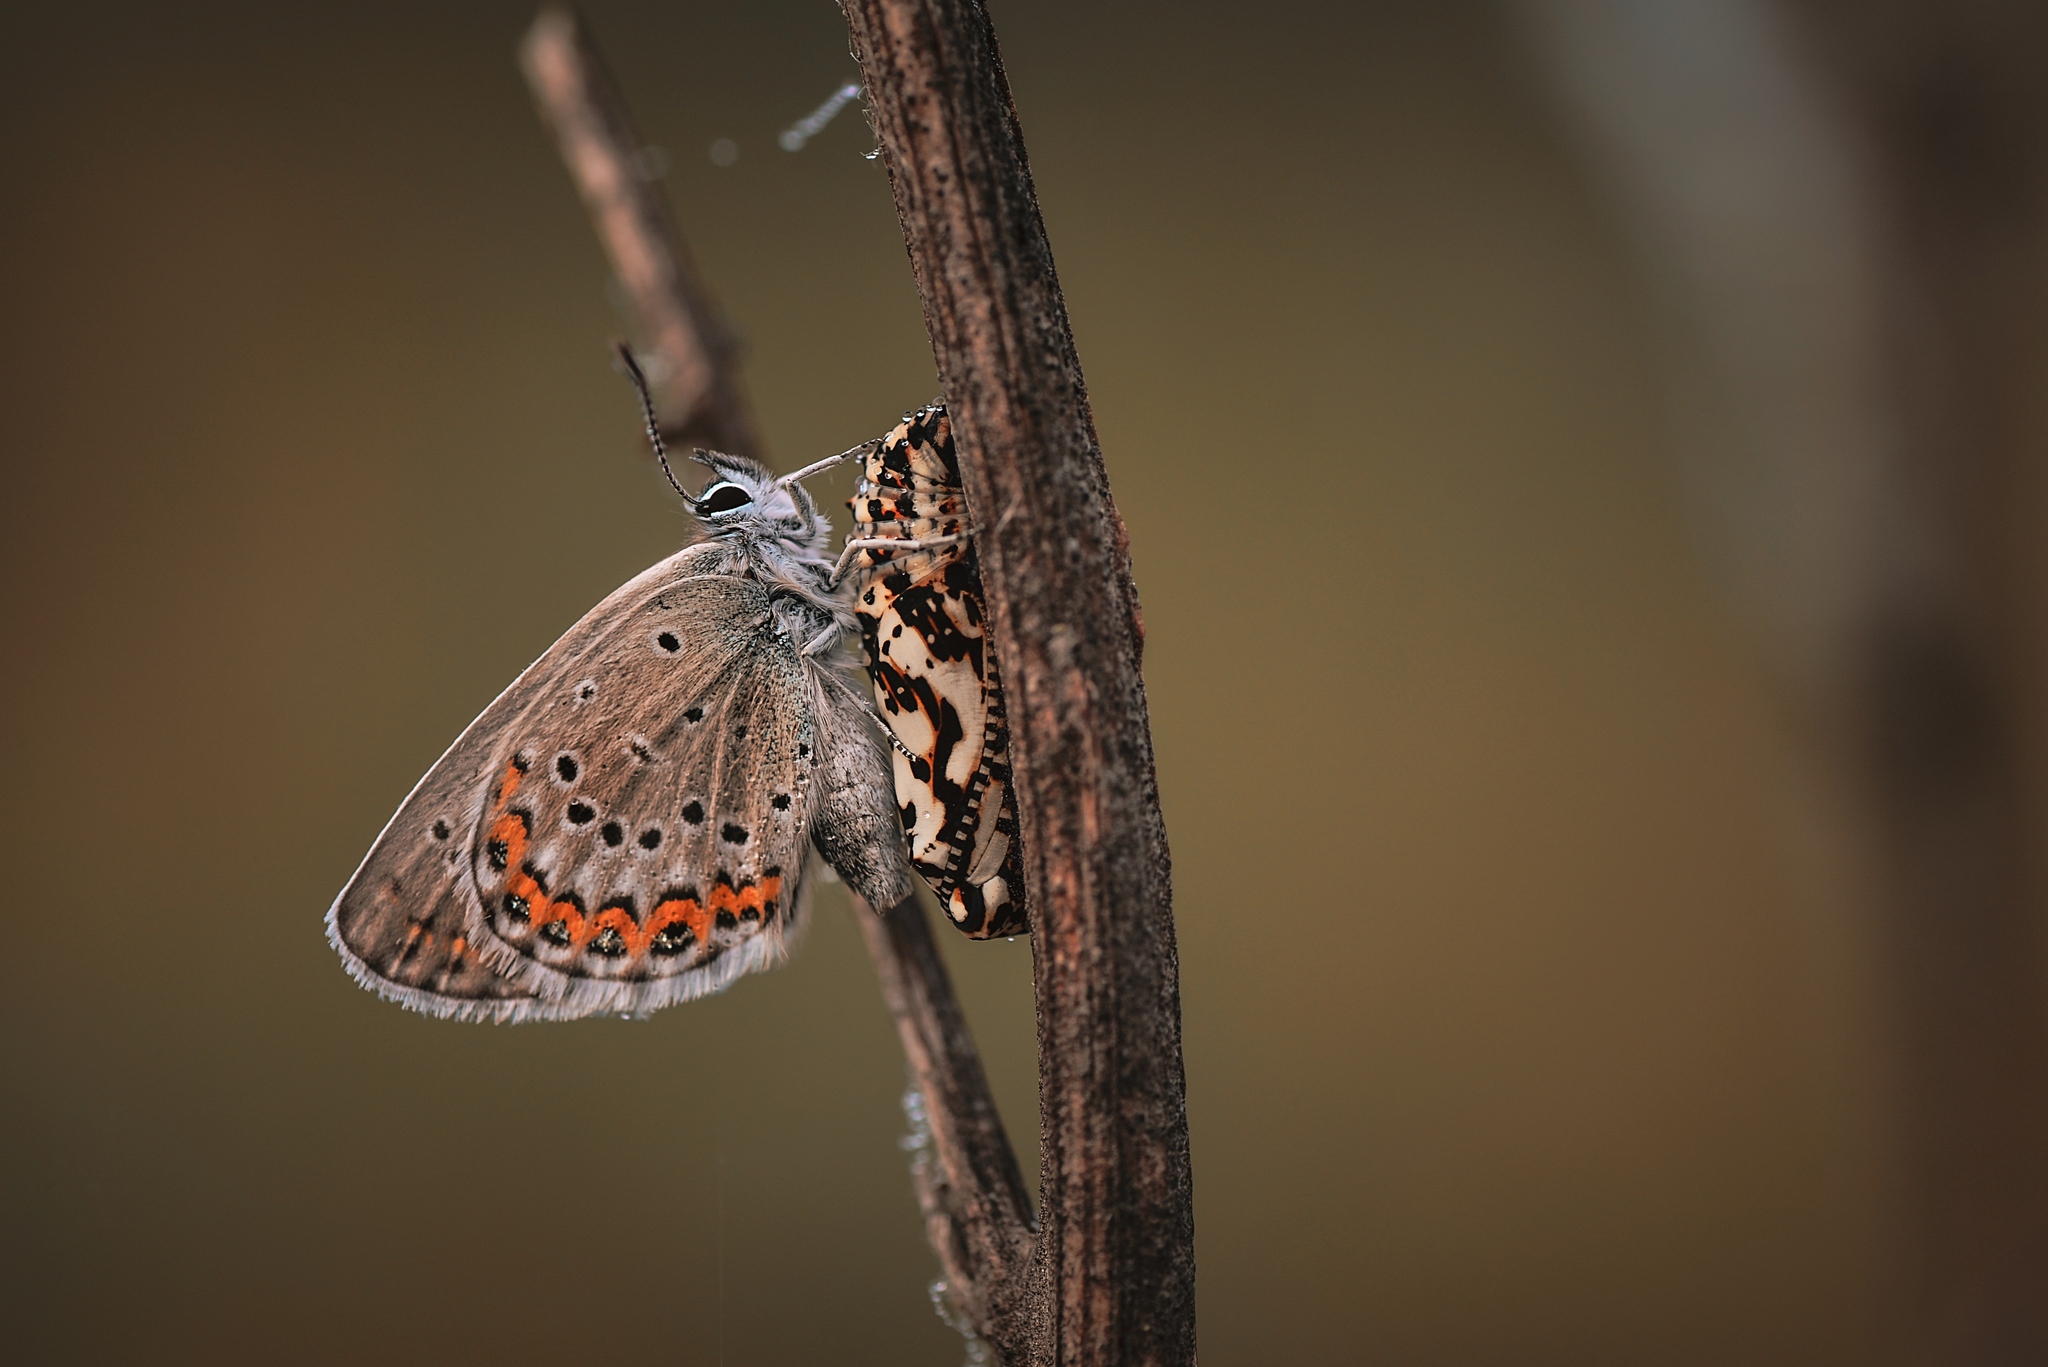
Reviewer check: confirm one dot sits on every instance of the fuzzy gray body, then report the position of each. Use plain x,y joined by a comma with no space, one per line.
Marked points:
629,824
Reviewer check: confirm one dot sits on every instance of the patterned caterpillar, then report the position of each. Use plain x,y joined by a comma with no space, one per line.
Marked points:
919,602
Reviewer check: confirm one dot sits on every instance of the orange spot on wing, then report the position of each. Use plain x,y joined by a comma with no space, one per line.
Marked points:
522,886
511,829
617,919
701,917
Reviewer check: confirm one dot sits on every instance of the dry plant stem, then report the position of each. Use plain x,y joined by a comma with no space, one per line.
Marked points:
701,402
976,1211
1112,1275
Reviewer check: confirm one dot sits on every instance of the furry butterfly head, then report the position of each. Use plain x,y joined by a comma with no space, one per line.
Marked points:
768,521
745,501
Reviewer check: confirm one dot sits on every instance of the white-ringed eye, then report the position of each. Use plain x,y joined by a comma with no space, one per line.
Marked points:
723,499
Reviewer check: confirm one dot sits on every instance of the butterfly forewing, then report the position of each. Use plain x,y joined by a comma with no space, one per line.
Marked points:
623,828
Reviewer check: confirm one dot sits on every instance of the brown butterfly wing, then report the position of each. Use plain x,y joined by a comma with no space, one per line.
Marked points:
623,828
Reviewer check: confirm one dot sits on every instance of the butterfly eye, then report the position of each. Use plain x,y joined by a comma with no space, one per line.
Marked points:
723,498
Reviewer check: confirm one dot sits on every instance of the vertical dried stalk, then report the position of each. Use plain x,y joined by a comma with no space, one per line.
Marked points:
977,1213
1112,1276
701,402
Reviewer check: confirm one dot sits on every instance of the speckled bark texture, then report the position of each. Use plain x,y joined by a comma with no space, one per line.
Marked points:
1111,1273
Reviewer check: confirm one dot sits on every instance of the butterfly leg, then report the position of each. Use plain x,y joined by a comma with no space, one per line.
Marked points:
824,640
886,543
818,467
801,496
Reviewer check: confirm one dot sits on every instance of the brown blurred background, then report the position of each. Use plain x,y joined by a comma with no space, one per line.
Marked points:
1550,993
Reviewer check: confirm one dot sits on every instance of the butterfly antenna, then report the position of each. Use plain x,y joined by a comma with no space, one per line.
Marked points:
820,466
632,369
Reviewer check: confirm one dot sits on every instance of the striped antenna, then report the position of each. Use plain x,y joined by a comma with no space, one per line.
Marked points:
632,369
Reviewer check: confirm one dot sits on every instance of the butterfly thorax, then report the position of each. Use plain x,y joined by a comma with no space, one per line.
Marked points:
777,537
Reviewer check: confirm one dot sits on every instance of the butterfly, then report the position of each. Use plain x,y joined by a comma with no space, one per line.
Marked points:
923,622
629,824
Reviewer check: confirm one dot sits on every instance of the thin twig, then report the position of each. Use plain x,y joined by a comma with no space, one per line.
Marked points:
977,1213
1112,1276
702,403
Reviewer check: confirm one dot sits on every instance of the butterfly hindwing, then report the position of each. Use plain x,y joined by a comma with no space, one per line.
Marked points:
625,827
936,684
